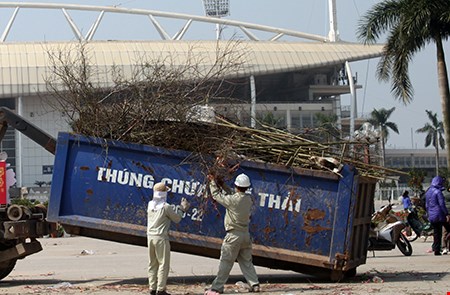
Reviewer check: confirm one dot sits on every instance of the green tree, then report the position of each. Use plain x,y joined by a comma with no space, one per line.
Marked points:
39,183
434,130
380,120
269,119
415,181
410,25
328,126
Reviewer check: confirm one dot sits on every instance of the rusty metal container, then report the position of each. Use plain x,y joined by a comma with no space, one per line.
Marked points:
309,221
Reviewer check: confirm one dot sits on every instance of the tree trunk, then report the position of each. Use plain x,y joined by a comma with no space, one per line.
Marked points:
437,159
383,153
444,93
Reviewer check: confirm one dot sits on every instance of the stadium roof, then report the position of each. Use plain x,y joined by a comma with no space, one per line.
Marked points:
25,67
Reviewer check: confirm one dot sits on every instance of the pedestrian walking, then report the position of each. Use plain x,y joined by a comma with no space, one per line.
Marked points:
159,217
406,201
237,244
437,212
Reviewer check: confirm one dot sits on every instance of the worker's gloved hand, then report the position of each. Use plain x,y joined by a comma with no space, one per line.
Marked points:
184,205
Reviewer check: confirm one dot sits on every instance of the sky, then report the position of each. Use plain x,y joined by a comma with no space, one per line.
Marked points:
310,16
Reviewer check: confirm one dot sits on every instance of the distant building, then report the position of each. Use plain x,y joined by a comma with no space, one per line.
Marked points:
292,79
406,159
422,159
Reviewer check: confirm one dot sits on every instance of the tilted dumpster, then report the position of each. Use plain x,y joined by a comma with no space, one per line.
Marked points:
310,221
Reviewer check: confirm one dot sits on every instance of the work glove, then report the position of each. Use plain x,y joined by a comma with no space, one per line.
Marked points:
184,205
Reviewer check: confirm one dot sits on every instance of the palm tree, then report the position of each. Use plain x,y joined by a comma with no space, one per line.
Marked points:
379,119
410,25
434,131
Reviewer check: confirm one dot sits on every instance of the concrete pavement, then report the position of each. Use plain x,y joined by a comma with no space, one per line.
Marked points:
78,265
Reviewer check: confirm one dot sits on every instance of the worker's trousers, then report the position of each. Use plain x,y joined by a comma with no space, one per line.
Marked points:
236,245
159,262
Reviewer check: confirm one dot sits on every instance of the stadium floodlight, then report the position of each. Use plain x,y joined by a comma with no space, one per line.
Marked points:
216,8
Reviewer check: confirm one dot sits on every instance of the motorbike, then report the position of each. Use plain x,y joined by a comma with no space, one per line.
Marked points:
386,232
419,224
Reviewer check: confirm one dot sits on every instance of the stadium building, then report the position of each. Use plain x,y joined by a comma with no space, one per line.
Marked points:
293,75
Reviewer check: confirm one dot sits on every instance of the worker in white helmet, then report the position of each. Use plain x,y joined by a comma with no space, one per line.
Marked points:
237,243
159,216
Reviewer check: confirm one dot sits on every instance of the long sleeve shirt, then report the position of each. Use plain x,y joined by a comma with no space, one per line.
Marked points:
407,203
158,221
238,207
435,202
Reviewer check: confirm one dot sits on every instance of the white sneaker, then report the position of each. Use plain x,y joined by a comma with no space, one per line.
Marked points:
445,251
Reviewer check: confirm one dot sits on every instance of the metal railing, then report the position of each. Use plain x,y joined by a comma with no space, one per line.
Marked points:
392,193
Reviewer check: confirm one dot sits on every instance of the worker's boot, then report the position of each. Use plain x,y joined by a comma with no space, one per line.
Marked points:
162,293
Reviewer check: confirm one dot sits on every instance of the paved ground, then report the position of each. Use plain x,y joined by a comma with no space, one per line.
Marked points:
79,265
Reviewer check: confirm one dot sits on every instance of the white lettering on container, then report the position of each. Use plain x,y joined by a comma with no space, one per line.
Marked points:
122,177
136,179
274,201
111,175
177,186
262,200
201,190
278,202
190,187
148,181
125,177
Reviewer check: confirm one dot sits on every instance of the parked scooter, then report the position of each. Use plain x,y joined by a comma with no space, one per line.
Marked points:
419,224
386,232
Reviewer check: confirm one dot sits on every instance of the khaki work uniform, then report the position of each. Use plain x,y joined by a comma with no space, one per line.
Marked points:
158,224
237,243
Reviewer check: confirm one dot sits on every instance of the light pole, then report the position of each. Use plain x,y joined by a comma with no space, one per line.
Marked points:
217,8
367,135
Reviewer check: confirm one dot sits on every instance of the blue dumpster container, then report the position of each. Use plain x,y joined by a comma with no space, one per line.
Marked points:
311,221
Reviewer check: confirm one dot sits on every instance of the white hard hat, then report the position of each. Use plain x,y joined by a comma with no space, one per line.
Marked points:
242,180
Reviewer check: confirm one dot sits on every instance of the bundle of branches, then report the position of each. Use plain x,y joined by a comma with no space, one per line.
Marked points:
272,145
149,103
158,104
233,142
